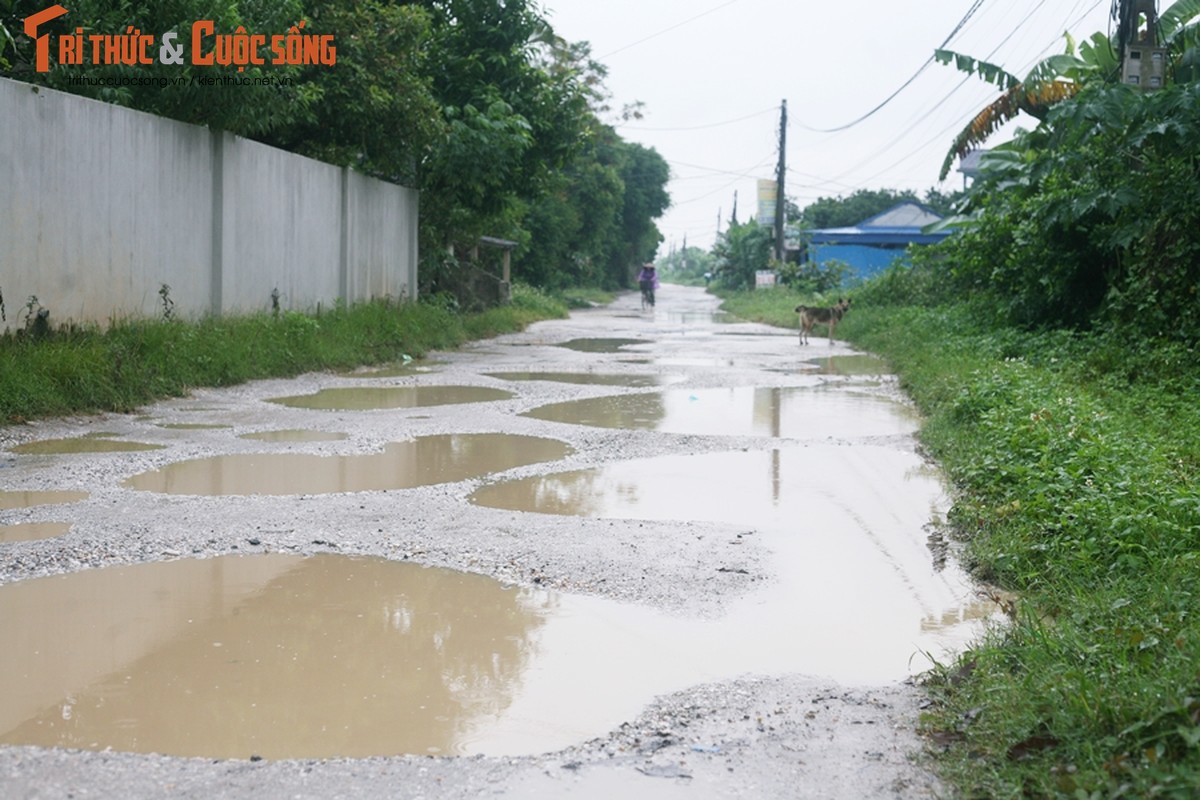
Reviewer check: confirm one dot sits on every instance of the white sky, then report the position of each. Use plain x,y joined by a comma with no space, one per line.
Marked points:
712,74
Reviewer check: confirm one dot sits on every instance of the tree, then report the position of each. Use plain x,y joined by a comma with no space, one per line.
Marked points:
511,119
840,212
688,265
740,252
376,111
644,174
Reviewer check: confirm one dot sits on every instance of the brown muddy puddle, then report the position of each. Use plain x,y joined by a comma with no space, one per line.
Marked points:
743,411
91,443
399,369
31,531
277,656
194,426
586,378
420,462
367,398
283,656
296,435
859,364
601,345
858,592
19,499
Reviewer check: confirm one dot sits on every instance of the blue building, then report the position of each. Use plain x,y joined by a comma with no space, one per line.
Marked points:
873,244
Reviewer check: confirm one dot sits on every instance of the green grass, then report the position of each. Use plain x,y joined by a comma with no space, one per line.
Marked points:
136,361
1074,460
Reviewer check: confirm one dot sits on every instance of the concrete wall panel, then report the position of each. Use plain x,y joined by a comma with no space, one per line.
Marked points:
101,206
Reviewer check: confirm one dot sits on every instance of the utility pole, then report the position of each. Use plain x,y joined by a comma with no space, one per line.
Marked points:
779,183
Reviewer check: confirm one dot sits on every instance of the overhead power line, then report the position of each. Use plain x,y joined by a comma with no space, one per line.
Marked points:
970,13
666,30
770,110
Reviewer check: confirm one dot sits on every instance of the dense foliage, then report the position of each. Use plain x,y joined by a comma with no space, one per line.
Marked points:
1092,218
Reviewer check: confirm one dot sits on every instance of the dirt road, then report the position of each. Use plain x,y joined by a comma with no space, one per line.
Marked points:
713,540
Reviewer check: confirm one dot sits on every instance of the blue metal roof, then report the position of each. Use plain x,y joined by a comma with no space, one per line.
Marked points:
901,224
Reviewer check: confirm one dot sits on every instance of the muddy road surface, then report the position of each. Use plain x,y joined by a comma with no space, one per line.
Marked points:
633,553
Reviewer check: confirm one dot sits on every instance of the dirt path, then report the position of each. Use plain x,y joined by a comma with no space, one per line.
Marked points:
754,733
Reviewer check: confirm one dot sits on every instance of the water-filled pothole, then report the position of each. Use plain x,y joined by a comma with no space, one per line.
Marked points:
401,465
91,443
296,435
745,411
30,531
20,499
846,527
395,369
283,656
365,398
858,364
585,378
273,655
194,426
601,345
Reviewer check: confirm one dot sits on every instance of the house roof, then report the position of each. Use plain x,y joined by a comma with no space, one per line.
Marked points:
900,224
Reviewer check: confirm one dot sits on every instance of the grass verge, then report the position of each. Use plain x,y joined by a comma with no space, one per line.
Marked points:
137,361
1073,459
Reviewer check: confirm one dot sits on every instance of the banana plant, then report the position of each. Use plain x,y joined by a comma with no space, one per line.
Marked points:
1062,76
1051,81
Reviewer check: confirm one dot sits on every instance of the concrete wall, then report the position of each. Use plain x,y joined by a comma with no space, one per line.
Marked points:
100,206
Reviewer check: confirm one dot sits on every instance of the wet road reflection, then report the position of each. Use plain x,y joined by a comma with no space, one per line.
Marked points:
847,537
277,656
782,412
365,398
401,465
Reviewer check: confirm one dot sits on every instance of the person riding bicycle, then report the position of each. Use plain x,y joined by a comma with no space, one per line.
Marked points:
648,282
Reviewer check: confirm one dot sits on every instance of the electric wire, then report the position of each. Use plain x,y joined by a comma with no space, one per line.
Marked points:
970,12
665,30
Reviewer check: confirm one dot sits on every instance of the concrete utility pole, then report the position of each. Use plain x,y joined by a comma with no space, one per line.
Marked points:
779,183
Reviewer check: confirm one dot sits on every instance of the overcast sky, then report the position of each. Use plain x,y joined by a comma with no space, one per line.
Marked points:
712,74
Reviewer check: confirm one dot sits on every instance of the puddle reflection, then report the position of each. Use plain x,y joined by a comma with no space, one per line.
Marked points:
601,345
858,592
92,443
19,499
332,656
860,364
276,656
746,411
368,398
32,531
398,369
584,378
401,465
193,426
296,435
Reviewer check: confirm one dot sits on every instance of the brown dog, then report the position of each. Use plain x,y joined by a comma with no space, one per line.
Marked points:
830,316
